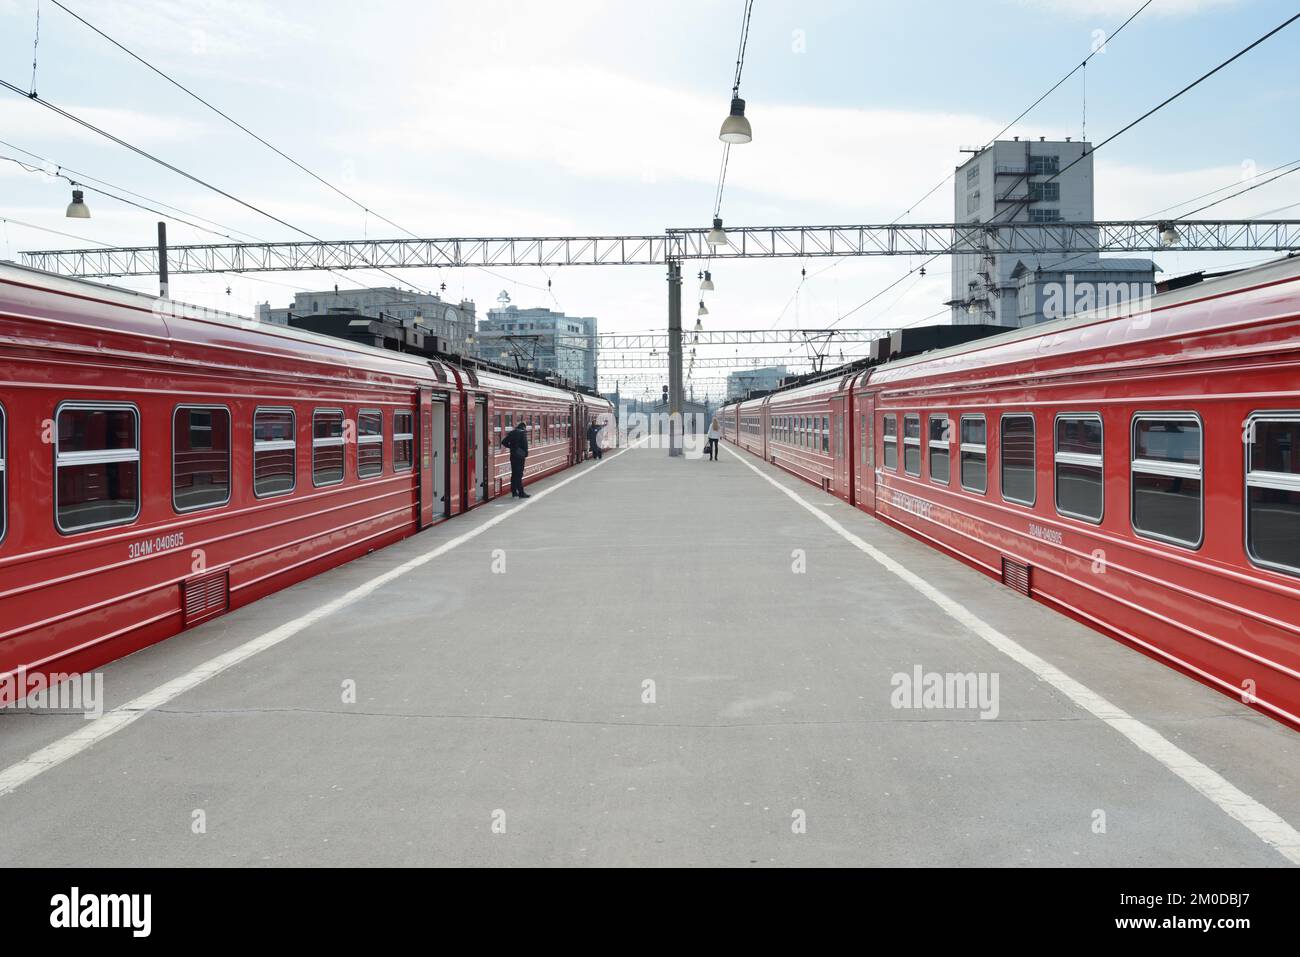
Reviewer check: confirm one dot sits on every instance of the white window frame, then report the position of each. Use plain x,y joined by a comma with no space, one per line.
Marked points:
920,466
410,437
328,443
972,448
1084,459
230,465
370,440
1002,457
886,440
1139,466
933,444
93,457
275,445
1281,481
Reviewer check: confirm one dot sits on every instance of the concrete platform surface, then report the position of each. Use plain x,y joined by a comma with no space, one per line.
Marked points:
653,661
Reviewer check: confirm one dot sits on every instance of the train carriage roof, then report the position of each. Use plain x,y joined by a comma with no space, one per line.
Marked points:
176,323
1101,327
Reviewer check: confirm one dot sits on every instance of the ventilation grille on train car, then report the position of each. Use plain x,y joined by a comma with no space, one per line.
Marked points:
1016,575
205,596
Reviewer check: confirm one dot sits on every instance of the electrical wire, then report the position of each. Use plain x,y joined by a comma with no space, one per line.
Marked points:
1023,113
271,146
1124,129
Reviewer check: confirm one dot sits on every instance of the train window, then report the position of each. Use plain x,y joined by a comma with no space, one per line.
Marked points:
974,454
497,427
889,436
97,466
274,452
200,457
940,450
4,497
826,434
510,421
370,443
1273,491
1019,473
404,441
326,447
912,444
1166,477
1080,488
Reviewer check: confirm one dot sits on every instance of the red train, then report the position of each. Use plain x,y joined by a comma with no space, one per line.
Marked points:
1139,472
161,464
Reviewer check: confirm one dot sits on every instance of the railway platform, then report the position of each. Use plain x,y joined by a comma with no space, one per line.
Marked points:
651,661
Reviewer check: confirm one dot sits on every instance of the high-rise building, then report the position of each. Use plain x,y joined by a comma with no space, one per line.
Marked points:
540,340
740,384
1023,181
451,322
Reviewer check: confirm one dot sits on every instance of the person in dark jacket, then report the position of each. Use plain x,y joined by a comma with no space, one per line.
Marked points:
593,439
516,441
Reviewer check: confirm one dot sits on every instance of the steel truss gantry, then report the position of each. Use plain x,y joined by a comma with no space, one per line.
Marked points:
679,245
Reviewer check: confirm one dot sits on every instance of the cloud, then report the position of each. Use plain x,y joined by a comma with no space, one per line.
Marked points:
601,125
134,126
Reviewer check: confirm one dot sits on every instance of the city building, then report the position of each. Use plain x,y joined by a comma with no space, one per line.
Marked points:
541,340
452,323
1017,181
742,383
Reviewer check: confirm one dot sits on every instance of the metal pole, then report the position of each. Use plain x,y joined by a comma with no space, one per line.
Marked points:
674,357
162,260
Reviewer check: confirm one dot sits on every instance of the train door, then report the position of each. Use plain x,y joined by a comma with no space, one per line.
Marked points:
433,457
866,464
440,456
839,481
482,447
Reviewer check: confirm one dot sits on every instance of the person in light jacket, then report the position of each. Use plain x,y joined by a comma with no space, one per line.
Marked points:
516,441
715,433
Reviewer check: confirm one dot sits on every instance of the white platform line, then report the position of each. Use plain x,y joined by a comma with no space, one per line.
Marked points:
1266,824
113,721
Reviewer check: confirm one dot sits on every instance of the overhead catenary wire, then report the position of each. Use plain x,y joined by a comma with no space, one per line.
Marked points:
180,172
1109,139
368,211
1098,48
84,178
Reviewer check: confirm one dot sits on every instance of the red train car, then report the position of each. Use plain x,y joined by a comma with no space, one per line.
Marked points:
1139,472
161,464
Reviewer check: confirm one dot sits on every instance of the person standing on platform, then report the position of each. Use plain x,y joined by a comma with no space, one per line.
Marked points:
715,433
593,439
516,441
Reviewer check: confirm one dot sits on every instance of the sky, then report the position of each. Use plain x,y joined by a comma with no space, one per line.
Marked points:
504,117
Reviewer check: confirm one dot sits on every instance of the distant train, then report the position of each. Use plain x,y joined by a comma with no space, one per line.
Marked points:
1139,472
161,464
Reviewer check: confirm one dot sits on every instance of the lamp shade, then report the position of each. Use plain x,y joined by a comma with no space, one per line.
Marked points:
77,209
717,236
707,284
735,128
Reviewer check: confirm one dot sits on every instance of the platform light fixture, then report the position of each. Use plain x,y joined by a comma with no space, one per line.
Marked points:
736,128
704,310
706,283
77,209
1168,234
717,236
